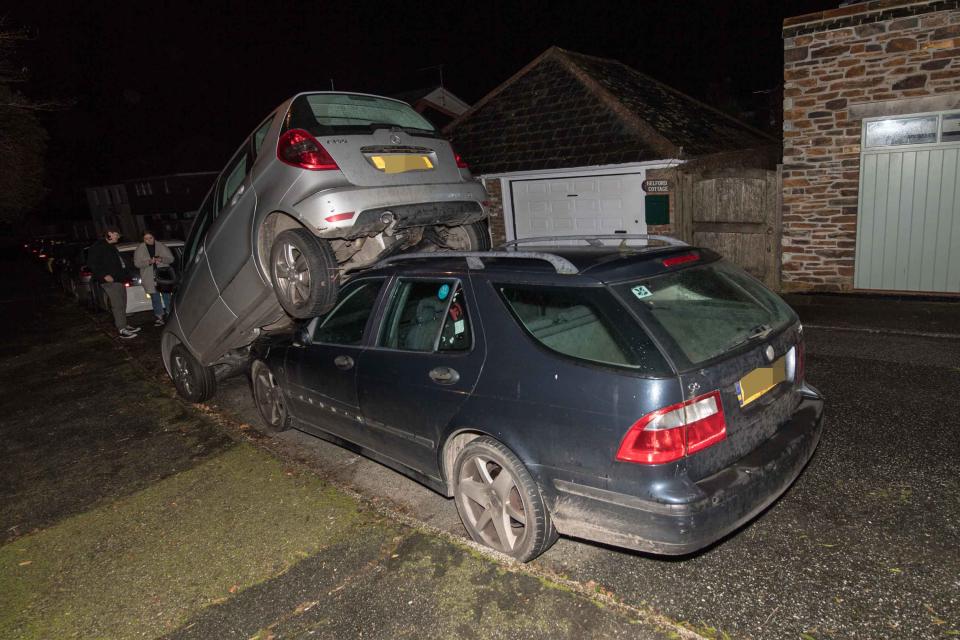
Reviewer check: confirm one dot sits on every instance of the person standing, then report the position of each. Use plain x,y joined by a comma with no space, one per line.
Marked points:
109,271
148,257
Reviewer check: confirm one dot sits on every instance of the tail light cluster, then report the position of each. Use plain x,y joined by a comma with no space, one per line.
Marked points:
299,149
670,433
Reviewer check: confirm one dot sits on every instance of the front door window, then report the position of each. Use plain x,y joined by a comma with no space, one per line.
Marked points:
346,323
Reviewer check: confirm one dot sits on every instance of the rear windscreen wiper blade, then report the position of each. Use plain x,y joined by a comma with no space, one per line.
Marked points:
758,332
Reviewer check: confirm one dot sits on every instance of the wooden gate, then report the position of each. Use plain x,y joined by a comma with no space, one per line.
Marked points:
737,214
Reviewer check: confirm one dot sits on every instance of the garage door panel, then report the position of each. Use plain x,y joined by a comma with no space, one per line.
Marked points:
947,220
919,225
901,255
578,205
908,227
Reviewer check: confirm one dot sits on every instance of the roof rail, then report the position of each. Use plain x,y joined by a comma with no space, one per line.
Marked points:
594,240
475,258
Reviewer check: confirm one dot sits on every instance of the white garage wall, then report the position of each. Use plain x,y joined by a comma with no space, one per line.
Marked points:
578,201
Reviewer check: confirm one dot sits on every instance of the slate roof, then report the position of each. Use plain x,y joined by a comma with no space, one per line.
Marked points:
568,109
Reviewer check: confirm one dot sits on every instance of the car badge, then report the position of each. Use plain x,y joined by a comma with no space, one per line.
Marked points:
394,139
769,353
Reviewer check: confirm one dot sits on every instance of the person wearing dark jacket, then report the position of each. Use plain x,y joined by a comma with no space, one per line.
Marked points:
109,271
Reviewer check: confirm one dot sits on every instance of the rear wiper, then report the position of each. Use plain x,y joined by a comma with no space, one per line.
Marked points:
373,126
758,332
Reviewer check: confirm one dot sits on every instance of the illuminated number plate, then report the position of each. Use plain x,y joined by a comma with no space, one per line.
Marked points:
401,163
760,380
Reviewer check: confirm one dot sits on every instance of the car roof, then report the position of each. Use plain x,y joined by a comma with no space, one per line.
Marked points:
593,264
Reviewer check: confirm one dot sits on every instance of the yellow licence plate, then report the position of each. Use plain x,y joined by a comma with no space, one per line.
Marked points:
400,163
760,380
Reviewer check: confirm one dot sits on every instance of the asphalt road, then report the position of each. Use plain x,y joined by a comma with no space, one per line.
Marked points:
866,544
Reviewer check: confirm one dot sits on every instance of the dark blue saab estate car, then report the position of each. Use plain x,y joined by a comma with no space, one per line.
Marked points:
648,397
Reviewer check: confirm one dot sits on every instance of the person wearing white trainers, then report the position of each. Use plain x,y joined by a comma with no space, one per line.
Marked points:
109,270
148,257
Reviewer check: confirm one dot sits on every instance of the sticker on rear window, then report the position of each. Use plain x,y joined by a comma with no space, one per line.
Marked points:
641,292
443,292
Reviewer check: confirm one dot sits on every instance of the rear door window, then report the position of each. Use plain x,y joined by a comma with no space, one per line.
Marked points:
705,311
586,324
259,135
427,315
232,179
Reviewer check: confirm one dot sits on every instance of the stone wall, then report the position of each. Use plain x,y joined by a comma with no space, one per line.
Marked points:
498,230
884,57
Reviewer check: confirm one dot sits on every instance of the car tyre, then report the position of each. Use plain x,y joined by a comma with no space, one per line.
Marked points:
194,382
304,272
499,503
466,237
269,398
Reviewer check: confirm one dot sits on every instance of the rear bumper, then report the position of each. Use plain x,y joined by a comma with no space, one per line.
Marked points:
413,205
726,500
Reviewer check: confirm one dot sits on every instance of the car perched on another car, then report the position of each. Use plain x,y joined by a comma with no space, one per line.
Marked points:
329,183
648,397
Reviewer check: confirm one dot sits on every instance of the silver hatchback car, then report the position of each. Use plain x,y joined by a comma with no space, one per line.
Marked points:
327,184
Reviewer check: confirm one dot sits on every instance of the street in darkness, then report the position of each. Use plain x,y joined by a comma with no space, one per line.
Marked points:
864,545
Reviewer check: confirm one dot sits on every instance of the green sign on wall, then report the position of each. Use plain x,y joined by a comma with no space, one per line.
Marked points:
658,209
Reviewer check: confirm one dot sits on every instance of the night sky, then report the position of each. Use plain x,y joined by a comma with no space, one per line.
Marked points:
163,87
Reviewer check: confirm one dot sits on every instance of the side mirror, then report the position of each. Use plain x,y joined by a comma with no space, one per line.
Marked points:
304,336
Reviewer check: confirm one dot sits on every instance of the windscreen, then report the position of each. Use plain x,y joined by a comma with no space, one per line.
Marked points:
329,113
708,310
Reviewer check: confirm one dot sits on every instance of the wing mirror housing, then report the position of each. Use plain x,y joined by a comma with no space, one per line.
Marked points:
303,335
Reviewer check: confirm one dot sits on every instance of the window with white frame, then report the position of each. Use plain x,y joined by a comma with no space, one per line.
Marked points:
929,128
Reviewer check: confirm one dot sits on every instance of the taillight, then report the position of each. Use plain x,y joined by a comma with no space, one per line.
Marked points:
300,149
461,163
85,271
683,258
670,433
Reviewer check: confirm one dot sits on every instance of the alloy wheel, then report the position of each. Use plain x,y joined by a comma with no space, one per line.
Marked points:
269,396
181,373
493,504
292,273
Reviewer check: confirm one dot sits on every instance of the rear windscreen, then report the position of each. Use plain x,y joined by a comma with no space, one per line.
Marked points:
325,114
707,310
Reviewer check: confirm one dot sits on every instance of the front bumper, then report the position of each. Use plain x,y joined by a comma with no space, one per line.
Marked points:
413,205
728,499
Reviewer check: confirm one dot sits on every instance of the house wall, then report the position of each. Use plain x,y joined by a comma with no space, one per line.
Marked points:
498,230
884,57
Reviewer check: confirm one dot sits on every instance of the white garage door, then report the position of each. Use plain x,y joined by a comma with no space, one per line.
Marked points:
579,205
908,227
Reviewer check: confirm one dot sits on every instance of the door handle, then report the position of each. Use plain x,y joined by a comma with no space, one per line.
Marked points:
444,375
343,362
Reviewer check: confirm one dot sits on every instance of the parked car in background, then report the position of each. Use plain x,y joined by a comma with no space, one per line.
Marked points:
651,398
137,299
327,184
78,279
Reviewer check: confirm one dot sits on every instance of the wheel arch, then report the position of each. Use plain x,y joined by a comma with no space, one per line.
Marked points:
455,442
272,225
